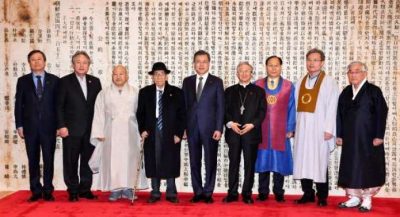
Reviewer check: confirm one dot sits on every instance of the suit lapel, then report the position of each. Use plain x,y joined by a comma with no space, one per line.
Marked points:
32,84
153,100
47,83
192,86
89,84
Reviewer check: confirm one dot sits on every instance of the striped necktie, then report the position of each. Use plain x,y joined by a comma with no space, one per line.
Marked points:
39,87
160,108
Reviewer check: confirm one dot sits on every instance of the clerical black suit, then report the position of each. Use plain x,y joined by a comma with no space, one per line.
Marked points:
359,121
252,98
37,116
75,112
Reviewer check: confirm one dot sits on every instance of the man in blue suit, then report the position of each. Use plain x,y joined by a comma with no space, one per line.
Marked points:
204,97
35,119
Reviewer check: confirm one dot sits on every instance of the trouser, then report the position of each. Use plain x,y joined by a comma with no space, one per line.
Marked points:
75,148
322,188
155,185
34,144
263,180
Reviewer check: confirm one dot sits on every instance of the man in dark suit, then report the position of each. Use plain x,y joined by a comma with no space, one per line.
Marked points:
244,112
161,119
204,98
35,119
75,108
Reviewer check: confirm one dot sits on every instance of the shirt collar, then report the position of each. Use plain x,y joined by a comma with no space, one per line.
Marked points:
205,76
244,84
314,76
162,89
359,86
269,79
41,74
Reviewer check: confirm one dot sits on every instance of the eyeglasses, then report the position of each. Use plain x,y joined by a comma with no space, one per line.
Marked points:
313,61
354,72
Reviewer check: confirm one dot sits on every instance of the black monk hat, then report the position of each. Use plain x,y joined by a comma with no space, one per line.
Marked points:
159,66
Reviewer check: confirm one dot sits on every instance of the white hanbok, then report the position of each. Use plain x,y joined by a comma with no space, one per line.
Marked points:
311,151
115,120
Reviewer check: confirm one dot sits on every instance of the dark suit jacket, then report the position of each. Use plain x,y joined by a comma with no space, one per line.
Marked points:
73,110
208,113
173,117
28,108
254,113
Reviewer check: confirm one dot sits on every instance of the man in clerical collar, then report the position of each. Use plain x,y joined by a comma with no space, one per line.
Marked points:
362,163
244,112
316,98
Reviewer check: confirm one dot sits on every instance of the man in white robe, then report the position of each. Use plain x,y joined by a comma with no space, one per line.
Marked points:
316,100
115,131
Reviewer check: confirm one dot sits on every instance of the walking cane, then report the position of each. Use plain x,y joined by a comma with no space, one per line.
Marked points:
138,170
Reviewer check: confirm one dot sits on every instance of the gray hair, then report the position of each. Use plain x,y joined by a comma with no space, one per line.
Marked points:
78,53
244,63
364,67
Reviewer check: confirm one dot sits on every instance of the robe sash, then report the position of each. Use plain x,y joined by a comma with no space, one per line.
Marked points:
307,100
275,123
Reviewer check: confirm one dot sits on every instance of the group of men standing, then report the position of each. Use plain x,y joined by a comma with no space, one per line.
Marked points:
260,119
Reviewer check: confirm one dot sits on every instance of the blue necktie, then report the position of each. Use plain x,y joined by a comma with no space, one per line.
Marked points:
160,108
39,87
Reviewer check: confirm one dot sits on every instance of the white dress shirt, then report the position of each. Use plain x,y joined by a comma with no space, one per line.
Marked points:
82,83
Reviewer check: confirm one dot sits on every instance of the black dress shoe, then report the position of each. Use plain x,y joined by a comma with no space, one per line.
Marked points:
88,195
208,199
173,199
262,197
364,209
305,199
322,202
35,197
153,199
48,197
248,200
230,198
197,198
279,198
73,198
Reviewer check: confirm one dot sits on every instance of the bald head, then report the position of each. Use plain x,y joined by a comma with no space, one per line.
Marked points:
119,75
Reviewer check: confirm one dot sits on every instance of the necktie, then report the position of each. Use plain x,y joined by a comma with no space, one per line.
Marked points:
160,107
199,88
39,87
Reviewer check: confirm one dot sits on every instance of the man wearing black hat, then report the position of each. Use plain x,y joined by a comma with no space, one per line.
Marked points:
161,118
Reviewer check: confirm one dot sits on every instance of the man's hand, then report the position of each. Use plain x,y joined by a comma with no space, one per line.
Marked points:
246,128
176,139
20,132
63,132
217,135
377,142
144,135
339,141
235,127
289,135
327,136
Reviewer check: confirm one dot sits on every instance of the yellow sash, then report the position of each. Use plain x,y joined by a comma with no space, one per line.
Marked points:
308,97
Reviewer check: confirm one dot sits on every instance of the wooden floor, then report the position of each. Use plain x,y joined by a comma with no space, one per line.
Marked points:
5,193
